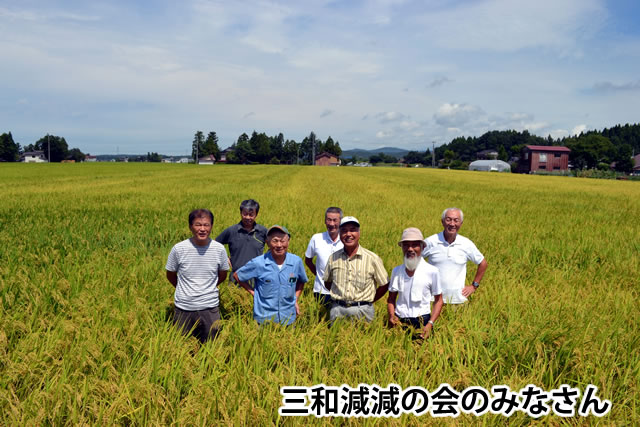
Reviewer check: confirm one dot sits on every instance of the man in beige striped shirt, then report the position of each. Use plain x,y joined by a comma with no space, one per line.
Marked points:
355,276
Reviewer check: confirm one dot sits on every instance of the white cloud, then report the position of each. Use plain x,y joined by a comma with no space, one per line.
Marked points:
382,134
578,129
456,115
390,116
508,25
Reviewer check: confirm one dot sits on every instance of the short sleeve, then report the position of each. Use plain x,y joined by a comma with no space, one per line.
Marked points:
172,262
394,285
223,238
436,286
300,273
379,273
311,249
224,264
327,277
427,246
249,270
473,254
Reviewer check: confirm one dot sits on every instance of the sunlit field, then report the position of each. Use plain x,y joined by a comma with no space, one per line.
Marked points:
86,335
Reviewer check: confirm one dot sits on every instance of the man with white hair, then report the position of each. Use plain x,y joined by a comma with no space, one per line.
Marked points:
412,285
450,252
322,246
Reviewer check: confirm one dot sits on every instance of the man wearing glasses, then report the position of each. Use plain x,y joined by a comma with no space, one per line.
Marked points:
450,252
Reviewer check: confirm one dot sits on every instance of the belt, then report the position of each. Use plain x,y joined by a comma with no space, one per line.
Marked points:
351,303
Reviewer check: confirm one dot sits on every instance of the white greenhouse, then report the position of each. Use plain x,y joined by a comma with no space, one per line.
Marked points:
490,166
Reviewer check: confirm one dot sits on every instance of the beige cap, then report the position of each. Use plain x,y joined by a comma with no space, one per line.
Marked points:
411,234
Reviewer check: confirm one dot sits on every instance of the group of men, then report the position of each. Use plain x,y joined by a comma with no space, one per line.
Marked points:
349,279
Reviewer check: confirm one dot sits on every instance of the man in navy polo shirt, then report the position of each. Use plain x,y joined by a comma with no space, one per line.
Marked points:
245,239
279,278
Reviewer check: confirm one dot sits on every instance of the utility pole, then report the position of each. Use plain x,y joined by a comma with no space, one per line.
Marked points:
312,137
49,145
433,155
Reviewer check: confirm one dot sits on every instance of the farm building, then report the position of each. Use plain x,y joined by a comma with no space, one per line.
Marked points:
490,166
223,155
636,164
207,160
537,158
327,159
90,158
33,157
487,154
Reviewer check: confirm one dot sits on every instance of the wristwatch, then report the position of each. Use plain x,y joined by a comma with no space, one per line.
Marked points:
432,324
475,284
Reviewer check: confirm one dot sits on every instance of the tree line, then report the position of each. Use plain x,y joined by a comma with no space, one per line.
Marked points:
260,148
10,150
589,150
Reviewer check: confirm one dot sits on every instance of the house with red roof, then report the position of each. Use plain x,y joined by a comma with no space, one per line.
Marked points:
543,158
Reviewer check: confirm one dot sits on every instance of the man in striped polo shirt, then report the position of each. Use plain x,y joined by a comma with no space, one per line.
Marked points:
196,267
355,276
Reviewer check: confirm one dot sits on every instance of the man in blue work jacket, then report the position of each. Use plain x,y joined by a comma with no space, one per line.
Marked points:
279,278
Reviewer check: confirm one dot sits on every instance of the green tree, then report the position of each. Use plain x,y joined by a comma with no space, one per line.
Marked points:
9,150
211,146
502,154
197,146
277,147
261,147
624,160
332,147
243,152
76,155
154,157
290,152
59,147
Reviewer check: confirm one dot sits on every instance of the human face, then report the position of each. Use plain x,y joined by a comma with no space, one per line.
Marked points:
278,244
412,248
452,223
332,221
248,217
201,229
412,251
350,235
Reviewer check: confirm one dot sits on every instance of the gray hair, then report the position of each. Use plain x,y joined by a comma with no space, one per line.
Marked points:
333,209
250,205
446,211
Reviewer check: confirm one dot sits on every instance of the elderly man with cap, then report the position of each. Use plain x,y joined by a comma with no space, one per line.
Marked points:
279,278
412,285
450,252
355,276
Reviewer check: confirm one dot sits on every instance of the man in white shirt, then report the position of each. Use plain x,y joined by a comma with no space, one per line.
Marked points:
321,246
412,286
450,252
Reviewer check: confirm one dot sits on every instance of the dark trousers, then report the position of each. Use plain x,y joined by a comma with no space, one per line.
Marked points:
417,322
205,323
323,299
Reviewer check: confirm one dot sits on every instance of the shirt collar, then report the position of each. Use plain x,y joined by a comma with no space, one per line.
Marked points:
241,228
268,259
443,241
327,238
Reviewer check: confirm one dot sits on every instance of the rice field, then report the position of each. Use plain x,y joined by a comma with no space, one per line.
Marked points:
86,336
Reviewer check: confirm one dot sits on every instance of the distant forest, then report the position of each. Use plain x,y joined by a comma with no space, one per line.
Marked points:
589,150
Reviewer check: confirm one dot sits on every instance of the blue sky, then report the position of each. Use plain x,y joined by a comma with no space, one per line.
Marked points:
140,76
